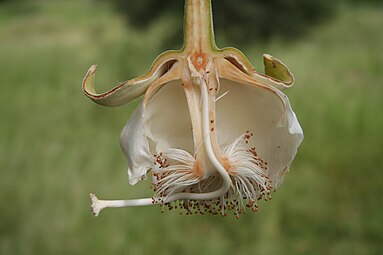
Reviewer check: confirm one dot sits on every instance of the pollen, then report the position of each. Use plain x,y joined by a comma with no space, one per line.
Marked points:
160,161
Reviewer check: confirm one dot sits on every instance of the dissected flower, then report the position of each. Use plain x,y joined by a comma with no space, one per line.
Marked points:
214,134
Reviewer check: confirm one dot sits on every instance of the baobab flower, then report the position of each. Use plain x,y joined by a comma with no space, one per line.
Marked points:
214,134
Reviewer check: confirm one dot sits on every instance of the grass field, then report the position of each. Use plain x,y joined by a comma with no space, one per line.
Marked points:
56,146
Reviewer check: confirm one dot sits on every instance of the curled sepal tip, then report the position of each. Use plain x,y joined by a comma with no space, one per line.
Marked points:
275,69
129,90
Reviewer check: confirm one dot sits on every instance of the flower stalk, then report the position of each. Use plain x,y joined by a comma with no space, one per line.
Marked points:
198,26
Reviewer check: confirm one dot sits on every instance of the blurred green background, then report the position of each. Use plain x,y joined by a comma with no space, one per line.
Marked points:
56,146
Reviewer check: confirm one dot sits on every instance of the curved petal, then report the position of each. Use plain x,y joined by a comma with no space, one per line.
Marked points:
135,146
127,91
167,118
265,113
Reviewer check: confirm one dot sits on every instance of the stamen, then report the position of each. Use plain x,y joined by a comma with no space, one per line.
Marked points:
174,180
248,172
221,96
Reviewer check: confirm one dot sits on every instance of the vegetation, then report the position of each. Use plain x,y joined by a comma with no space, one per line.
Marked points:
265,19
56,146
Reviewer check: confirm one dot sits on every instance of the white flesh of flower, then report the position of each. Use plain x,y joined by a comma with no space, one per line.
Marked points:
206,149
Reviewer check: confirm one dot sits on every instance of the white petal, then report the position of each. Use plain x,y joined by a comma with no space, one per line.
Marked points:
266,114
135,146
167,119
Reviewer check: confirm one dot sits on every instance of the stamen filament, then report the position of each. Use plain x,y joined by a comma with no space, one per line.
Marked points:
221,96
